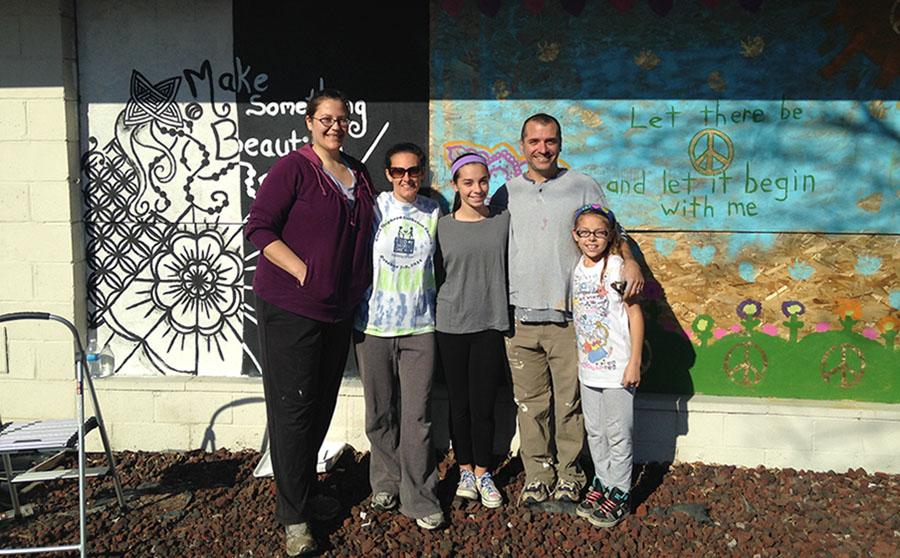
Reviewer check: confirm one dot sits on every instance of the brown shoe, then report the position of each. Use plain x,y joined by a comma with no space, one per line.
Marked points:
299,540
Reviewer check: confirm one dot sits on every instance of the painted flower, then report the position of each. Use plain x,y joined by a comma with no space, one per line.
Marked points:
870,333
822,327
769,329
548,51
749,309
702,323
501,90
751,47
702,326
888,324
792,308
848,308
197,282
719,332
646,60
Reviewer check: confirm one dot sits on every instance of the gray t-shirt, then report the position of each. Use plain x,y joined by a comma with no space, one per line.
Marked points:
470,265
542,253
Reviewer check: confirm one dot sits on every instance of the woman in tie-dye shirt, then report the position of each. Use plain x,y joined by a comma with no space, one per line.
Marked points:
395,346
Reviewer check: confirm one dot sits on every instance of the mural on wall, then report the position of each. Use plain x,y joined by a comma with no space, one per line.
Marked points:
179,137
166,271
756,169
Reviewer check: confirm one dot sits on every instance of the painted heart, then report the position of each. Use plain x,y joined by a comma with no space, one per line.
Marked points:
703,254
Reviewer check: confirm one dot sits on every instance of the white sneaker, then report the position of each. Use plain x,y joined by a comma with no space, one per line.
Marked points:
490,496
431,522
467,485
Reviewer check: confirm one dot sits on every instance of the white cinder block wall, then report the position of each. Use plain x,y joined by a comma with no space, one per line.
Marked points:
42,268
41,237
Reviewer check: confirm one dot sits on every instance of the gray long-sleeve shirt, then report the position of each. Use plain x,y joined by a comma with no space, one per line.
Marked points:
542,253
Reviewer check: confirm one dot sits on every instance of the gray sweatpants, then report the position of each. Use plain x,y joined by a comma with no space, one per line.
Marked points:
609,421
396,375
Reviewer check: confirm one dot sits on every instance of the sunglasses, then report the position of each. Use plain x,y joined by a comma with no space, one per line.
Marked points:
398,172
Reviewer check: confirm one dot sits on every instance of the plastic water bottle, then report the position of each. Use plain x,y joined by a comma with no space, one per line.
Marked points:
93,358
107,362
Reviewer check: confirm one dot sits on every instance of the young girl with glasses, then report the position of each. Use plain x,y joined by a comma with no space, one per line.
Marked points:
609,330
472,318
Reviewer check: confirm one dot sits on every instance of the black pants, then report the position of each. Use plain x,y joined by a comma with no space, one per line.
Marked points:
474,366
303,362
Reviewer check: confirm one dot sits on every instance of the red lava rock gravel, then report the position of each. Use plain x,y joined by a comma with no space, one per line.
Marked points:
209,504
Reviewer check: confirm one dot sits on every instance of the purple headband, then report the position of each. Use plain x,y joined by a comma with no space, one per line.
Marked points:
466,159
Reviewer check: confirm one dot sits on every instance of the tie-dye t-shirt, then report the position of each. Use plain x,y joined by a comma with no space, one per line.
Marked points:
601,324
402,297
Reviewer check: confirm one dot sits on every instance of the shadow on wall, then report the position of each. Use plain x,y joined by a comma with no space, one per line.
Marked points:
667,361
209,436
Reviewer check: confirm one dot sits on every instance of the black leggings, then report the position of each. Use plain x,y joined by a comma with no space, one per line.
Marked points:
474,367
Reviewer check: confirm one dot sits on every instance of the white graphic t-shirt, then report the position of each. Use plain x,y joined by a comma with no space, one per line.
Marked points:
601,324
402,297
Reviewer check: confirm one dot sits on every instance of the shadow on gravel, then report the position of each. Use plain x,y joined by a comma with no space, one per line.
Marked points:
200,475
645,479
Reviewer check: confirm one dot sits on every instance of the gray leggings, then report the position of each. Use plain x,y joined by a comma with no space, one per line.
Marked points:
396,375
609,421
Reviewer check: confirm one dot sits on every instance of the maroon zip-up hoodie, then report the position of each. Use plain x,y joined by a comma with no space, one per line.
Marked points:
300,205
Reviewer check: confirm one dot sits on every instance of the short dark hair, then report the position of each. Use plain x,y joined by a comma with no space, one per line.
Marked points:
404,147
334,94
545,119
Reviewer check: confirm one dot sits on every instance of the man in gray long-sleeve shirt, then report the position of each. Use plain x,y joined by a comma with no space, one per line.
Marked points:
542,352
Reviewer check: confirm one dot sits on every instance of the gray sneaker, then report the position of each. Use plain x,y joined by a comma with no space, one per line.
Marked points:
467,487
490,496
298,540
384,501
567,491
431,522
534,492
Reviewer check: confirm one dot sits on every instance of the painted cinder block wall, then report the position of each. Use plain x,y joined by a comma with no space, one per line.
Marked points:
42,257
179,411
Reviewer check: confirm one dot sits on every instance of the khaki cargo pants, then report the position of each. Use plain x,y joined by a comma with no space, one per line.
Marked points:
544,363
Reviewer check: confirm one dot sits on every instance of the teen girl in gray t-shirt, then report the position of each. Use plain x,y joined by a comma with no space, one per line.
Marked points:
472,316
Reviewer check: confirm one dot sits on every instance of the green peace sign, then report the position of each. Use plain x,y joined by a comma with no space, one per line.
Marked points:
711,161
745,363
851,364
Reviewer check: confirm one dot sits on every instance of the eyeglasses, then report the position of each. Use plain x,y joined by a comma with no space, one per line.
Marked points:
398,172
328,121
599,233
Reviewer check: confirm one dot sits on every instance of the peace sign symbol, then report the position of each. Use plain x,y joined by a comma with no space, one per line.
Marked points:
711,161
851,364
748,368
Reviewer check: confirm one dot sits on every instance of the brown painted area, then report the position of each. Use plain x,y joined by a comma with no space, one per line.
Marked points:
691,288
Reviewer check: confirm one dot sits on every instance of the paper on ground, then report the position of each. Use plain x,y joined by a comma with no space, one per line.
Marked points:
328,456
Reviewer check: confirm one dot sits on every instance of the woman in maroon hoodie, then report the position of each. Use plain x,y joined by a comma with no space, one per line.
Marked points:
312,220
